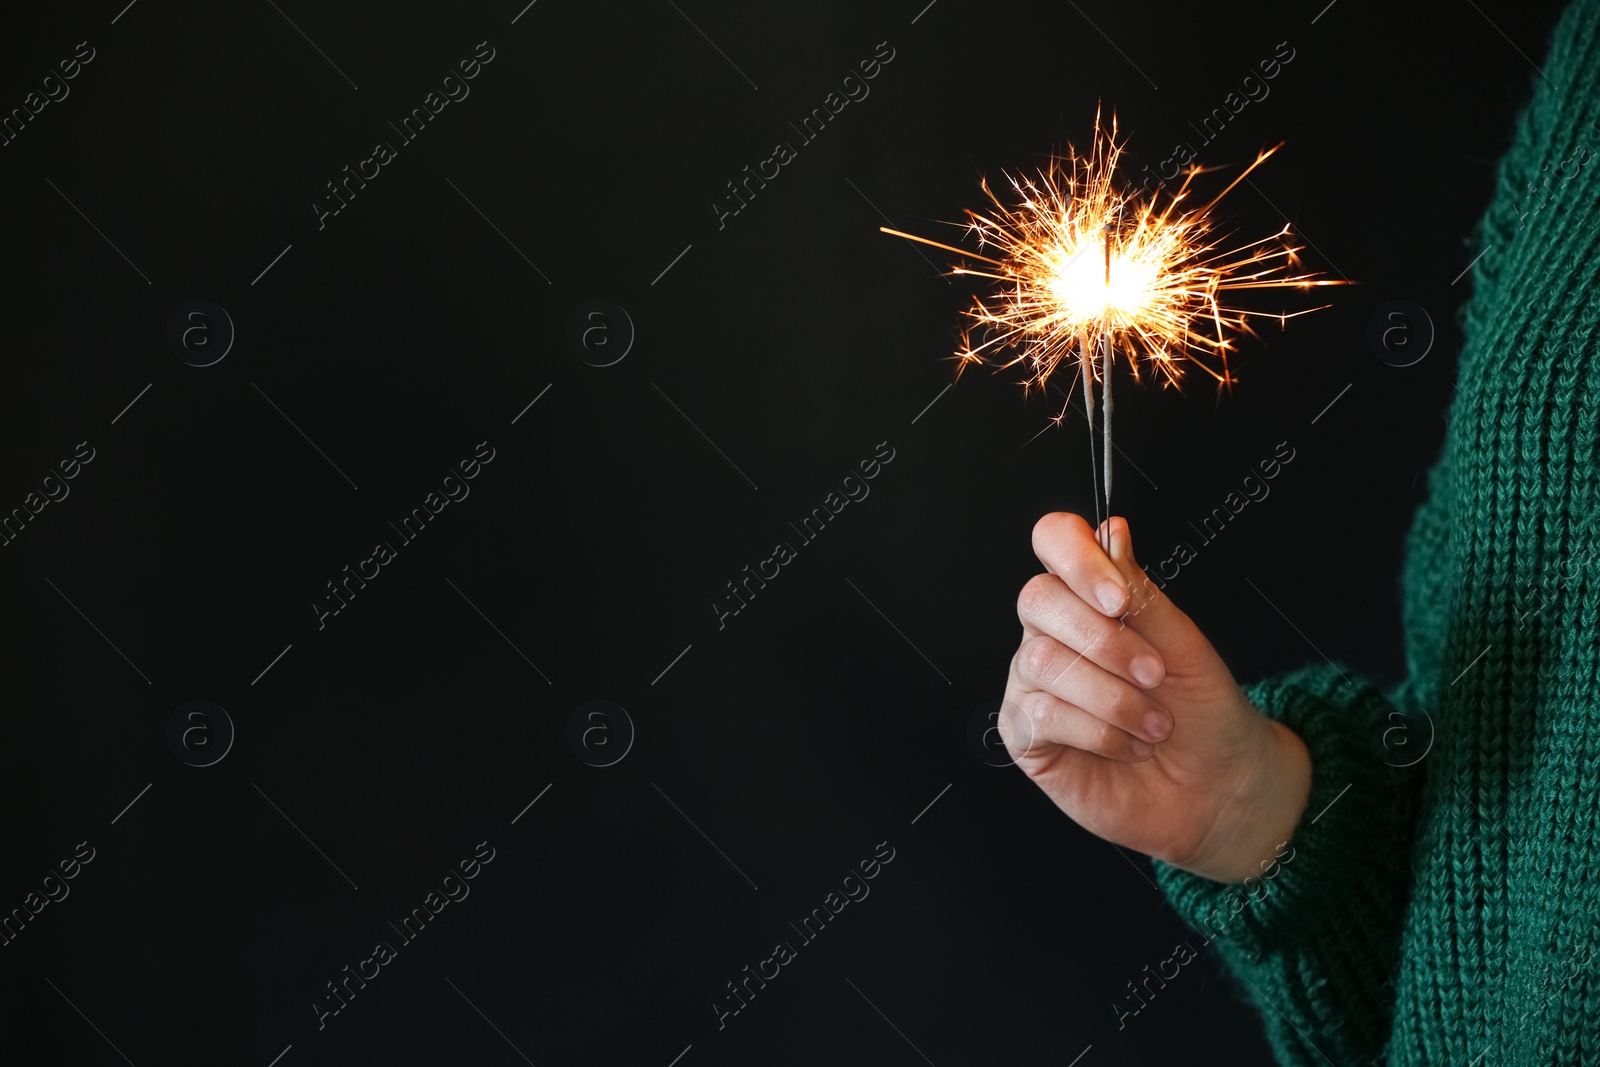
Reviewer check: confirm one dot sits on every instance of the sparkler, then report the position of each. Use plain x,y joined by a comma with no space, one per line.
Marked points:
1159,295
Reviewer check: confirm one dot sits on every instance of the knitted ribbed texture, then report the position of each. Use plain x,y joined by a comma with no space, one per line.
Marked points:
1449,912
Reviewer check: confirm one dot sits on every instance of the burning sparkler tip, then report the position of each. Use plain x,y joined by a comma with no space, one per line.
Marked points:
1092,272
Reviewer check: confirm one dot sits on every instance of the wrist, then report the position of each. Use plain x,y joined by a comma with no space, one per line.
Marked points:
1289,790
1268,812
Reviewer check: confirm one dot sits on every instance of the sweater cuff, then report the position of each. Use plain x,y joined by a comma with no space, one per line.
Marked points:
1349,856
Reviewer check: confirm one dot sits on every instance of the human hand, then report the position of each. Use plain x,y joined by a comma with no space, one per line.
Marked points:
1120,709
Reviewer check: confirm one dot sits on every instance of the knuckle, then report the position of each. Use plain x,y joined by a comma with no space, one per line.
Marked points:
1035,656
1124,705
1037,595
1038,707
1108,740
1015,723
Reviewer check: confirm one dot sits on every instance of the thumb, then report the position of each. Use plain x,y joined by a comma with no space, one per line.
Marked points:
1151,613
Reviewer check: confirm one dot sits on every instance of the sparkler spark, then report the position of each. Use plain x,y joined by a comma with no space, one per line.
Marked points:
1160,293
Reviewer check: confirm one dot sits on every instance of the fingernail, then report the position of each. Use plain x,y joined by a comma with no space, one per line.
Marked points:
1157,725
1142,749
1112,596
1147,670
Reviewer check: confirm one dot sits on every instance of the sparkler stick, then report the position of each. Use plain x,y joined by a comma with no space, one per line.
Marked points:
1086,363
1105,427
1159,295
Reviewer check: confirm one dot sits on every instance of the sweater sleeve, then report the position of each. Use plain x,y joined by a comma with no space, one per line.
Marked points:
1316,940
1316,944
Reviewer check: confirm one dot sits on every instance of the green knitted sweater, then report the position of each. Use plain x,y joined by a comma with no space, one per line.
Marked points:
1448,912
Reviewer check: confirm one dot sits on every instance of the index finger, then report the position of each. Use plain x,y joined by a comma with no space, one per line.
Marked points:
1066,545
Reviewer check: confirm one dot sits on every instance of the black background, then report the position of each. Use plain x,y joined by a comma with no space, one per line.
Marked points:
819,721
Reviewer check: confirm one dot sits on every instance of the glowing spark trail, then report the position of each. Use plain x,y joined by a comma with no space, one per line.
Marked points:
1159,295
